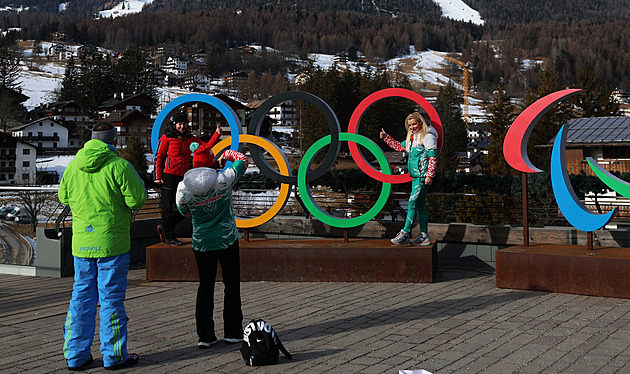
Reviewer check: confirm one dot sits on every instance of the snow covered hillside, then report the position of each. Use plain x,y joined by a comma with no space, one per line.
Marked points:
124,8
459,11
454,9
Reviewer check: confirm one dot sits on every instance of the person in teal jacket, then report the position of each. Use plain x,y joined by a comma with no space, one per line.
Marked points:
421,148
206,194
101,190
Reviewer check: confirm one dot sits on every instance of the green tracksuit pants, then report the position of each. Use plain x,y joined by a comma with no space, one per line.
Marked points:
417,210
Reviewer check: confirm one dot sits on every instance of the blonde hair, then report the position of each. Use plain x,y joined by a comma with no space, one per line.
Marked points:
423,130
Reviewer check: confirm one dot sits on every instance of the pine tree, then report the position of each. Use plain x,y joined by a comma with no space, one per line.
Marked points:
10,68
96,82
134,73
596,98
37,48
502,114
10,106
69,89
455,139
135,152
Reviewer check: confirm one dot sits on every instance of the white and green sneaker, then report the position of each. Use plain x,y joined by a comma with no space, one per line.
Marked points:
401,238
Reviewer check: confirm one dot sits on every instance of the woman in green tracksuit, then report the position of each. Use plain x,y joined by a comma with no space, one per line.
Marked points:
421,147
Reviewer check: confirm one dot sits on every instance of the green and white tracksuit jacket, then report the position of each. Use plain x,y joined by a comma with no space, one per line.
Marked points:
421,163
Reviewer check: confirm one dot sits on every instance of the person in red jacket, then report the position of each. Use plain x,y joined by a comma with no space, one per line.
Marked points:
172,161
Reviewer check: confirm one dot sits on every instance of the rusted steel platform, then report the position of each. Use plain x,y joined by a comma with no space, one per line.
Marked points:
312,260
604,271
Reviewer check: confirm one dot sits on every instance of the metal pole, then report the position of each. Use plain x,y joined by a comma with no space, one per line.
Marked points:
525,211
589,241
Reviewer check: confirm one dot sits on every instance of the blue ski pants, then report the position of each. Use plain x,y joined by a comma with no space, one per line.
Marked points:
96,280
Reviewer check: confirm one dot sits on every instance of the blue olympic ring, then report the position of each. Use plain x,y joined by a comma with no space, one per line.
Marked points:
222,106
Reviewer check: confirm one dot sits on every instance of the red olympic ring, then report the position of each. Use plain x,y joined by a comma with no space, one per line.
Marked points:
353,126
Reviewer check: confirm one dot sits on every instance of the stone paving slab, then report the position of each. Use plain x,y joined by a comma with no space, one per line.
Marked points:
461,323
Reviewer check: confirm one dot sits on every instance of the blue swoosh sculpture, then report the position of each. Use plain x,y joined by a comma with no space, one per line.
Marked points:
571,207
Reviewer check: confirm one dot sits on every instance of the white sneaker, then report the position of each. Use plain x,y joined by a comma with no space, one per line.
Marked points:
204,345
233,340
401,238
422,239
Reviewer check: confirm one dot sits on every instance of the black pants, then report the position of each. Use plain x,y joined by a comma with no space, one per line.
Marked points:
170,214
232,313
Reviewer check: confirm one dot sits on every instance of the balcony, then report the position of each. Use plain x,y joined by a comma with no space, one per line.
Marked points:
45,138
619,165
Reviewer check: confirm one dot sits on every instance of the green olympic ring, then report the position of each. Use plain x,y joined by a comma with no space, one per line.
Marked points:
305,191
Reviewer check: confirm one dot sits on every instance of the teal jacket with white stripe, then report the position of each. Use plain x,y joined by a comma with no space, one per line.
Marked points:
206,194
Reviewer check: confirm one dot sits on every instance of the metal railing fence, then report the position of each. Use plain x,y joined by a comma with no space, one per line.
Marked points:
490,209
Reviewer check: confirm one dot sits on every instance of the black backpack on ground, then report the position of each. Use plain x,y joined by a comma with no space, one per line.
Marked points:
261,345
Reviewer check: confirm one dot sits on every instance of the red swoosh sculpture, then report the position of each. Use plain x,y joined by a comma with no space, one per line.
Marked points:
515,142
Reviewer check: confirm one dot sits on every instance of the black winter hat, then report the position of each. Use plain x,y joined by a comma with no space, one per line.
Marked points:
179,117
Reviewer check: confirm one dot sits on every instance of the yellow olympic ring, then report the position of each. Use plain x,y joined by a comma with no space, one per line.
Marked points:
277,155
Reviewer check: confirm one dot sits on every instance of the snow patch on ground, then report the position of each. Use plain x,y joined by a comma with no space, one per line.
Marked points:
124,8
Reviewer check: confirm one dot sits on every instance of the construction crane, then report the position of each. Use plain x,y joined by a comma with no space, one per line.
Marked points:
466,67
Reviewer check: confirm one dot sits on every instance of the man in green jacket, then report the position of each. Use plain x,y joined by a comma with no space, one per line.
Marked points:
101,189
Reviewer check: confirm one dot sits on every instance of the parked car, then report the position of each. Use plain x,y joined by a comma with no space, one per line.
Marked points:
22,217
6,210
12,214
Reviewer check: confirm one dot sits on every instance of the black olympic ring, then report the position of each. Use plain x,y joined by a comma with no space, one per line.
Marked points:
258,118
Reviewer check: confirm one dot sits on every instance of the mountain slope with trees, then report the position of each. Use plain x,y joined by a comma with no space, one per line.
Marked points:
594,36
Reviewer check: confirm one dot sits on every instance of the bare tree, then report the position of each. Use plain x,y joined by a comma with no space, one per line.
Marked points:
33,198
33,202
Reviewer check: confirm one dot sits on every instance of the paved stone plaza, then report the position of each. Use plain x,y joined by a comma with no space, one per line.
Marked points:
460,324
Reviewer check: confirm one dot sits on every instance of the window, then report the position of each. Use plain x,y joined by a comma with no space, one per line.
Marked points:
30,134
2,177
41,124
3,164
40,145
40,134
55,134
616,152
26,151
52,125
26,164
54,145
25,177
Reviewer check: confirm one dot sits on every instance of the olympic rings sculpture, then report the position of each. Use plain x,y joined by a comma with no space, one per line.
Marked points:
305,175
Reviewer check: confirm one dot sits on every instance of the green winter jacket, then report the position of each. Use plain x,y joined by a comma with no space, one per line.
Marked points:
418,159
101,189
207,195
